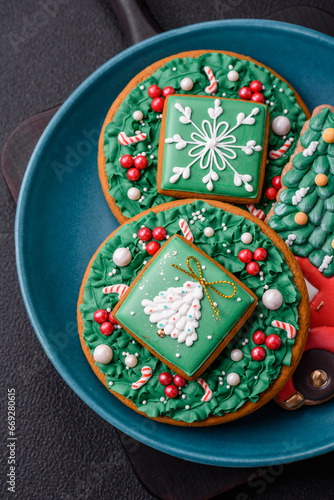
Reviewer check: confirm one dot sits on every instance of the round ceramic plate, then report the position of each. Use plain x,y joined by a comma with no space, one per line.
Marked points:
62,217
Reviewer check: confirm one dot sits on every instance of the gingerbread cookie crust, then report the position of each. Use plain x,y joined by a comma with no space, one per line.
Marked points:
132,117
237,383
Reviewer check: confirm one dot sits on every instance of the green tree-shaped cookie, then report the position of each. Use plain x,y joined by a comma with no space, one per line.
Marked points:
304,216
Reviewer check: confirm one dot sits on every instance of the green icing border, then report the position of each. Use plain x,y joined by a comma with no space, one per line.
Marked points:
138,99
224,246
314,240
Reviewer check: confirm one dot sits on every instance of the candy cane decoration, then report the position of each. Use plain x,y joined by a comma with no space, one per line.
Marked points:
125,140
273,155
256,211
290,329
208,392
120,289
210,89
146,374
186,230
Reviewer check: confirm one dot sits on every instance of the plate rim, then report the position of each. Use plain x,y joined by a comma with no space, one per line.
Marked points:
23,279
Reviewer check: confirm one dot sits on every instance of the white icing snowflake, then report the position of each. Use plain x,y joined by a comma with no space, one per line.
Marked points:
214,145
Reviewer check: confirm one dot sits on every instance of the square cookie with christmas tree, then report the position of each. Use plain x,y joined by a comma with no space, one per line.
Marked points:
213,148
184,307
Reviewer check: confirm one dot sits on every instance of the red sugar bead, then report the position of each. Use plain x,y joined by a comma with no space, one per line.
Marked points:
159,233
245,93
258,353
253,268
126,161
133,174
165,378
112,320
171,391
271,193
259,337
245,256
154,91
140,162
255,86
152,247
145,234
168,91
277,182
260,254
179,381
157,104
100,316
257,97
273,342
106,328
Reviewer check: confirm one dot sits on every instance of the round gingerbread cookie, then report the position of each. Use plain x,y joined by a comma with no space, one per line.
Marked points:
130,144
193,313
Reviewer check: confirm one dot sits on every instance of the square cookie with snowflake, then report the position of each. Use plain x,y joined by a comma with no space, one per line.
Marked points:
184,307
213,148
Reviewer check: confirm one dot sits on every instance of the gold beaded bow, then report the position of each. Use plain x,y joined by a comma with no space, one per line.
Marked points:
206,284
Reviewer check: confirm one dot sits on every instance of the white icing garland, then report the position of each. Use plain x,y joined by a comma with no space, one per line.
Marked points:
310,150
290,239
300,193
177,311
325,263
211,145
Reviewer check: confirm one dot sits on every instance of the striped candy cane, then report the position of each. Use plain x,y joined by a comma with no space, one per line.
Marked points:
146,374
125,140
273,155
210,89
256,211
208,392
290,329
120,289
186,230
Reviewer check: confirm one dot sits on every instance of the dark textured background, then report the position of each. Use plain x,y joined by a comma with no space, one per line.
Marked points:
66,451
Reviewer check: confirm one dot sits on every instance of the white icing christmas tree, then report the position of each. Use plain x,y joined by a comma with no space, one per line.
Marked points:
177,311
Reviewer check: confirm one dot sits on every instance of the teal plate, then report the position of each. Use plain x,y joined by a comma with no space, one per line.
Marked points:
62,217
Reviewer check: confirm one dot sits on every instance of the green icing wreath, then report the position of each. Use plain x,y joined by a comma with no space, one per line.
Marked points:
224,247
278,95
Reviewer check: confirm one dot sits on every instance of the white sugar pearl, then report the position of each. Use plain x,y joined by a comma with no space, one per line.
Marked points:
246,238
177,355
142,87
209,231
131,361
138,115
272,299
162,399
238,299
103,354
236,355
210,337
233,379
281,125
111,383
186,84
122,257
233,76
187,407
184,396
230,66
134,194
